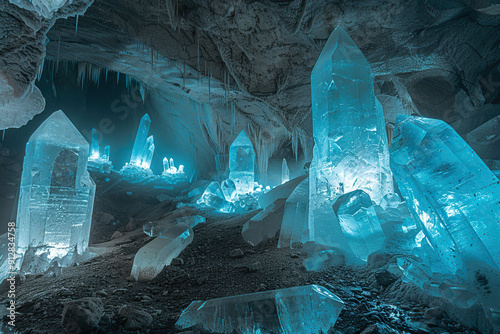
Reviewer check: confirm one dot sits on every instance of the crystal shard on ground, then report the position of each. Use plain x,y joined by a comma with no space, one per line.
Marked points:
454,196
359,223
214,198
305,309
294,223
242,163
151,258
265,224
57,193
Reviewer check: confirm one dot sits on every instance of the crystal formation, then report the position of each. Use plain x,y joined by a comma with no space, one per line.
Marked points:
140,145
294,224
454,196
285,172
359,222
57,193
305,309
213,197
242,163
351,150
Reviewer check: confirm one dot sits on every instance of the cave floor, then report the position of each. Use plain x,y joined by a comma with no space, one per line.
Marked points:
209,272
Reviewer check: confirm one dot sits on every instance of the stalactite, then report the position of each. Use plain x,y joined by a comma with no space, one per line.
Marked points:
76,26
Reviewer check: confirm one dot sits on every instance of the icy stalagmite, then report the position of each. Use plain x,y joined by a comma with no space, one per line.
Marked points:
455,197
138,151
351,150
285,172
151,258
57,195
305,309
94,148
242,163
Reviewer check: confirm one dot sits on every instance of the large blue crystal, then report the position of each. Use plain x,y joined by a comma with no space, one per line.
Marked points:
455,197
141,145
305,309
57,194
242,163
351,150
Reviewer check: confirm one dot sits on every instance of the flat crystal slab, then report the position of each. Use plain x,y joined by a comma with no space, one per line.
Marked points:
305,309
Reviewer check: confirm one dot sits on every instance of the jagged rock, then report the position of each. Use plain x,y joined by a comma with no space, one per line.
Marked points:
385,277
82,315
134,318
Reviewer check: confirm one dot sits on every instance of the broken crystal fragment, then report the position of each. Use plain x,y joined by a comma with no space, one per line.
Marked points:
351,150
151,258
285,172
281,191
359,223
305,309
57,193
265,224
213,197
229,190
454,196
242,163
294,223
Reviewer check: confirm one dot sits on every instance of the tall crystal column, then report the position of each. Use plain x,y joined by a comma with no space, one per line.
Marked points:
455,198
94,148
106,152
57,194
351,150
285,172
165,165
242,163
140,140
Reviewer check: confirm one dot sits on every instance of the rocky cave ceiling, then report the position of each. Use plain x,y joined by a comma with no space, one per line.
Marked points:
437,58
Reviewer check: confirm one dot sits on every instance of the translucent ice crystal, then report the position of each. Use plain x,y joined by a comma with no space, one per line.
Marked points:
229,190
359,222
285,172
294,224
213,197
242,163
454,196
139,149
94,148
57,193
305,309
151,258
351,150
265,224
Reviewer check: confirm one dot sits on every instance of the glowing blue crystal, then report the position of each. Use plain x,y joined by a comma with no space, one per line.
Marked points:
455,197
294,225
285,172
57,194
242,163
359,223
213,197
351,150
229,190
138,151
94,148
305,309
